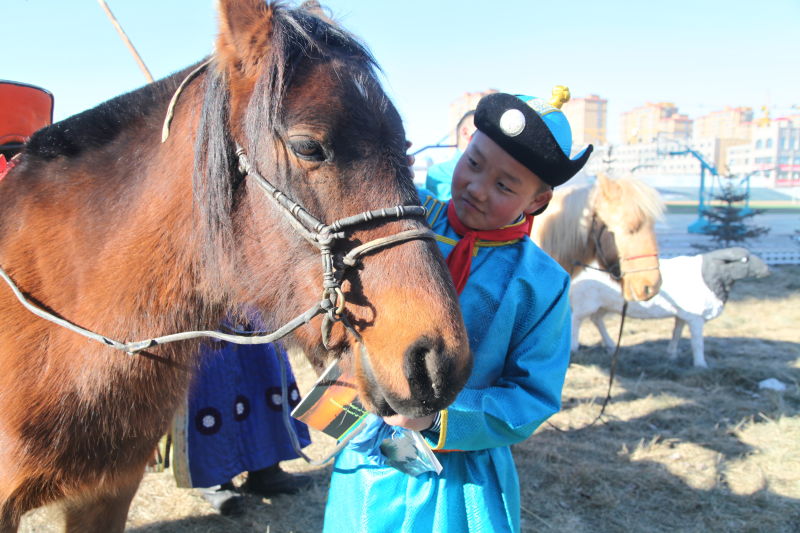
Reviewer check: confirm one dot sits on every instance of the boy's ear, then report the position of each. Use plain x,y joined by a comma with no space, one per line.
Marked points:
540,200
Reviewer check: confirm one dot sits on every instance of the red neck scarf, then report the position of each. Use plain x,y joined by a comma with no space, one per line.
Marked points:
460,258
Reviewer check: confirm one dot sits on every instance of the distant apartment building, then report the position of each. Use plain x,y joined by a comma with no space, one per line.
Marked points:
728,123
772,154
652,121
731,126
588,120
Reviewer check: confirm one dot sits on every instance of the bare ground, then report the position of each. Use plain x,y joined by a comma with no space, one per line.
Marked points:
679,448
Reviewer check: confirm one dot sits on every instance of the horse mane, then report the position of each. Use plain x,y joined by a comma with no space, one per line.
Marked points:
293,35
100,125
562,230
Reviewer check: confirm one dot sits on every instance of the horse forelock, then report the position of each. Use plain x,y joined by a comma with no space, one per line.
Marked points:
299,39
297,35
295,38
631,200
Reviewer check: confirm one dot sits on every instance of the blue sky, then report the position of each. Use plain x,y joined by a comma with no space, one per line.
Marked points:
699,54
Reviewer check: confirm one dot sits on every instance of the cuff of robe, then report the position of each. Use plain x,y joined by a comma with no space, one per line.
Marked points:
437,433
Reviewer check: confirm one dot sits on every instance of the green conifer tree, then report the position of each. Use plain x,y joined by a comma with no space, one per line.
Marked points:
729,221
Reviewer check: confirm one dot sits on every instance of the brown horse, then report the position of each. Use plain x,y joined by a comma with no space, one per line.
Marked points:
611,223
107,227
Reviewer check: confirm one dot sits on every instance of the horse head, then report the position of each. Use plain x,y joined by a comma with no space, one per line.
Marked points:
721,268
626,209
299,96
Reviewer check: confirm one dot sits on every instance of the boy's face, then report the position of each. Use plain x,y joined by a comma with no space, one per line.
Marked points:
491,189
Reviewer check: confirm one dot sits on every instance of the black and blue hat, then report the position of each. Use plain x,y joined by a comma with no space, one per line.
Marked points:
532,131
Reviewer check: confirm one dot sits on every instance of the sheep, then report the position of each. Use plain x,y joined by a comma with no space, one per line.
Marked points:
694,290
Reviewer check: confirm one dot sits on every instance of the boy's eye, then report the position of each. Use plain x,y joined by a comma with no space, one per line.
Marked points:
503,187
472,163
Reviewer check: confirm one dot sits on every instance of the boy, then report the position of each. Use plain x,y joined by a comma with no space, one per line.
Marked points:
514,299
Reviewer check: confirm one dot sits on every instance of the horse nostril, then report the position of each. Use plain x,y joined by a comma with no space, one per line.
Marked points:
426,369
647,290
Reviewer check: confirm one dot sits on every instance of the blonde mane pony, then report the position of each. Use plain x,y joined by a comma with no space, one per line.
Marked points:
625,206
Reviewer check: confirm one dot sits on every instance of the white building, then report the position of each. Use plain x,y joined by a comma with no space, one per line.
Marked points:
773,154
663,164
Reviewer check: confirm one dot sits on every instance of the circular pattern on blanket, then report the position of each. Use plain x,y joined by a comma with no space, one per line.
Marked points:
274,400
241,408
294,395
208,421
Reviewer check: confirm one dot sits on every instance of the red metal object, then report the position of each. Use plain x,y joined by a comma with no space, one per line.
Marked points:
23,110
5,166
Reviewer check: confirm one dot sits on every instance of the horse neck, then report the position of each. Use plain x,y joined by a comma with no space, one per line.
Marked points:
126,240
163,233
121,260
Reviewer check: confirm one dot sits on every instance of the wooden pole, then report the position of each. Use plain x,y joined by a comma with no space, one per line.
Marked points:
127,41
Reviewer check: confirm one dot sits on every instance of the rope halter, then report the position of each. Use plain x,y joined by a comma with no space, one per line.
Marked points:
604,266
324,237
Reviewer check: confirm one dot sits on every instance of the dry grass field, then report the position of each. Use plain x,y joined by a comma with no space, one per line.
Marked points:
679,448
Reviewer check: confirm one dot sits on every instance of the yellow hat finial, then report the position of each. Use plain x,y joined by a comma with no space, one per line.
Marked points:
560,96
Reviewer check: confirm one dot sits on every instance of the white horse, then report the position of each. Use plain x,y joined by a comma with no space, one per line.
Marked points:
694,290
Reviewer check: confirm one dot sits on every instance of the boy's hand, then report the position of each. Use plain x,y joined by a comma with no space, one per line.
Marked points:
414,424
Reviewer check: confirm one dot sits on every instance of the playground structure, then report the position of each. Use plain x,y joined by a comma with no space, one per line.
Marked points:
709,186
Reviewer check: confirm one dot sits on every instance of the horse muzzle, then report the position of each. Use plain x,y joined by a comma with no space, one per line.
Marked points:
432,377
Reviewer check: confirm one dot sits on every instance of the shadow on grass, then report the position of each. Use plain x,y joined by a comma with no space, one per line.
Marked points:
609,491
740,362
668,423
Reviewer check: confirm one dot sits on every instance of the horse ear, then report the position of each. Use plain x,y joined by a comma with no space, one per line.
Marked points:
313,7
245,27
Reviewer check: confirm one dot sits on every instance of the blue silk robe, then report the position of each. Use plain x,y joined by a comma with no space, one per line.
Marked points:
516,310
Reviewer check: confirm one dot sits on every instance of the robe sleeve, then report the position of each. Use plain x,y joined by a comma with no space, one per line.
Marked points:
526,394
439,179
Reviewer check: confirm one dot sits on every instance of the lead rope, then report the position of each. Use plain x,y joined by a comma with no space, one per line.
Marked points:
174,100
611,373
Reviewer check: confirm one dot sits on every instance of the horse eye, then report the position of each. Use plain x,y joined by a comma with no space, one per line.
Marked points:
307,149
